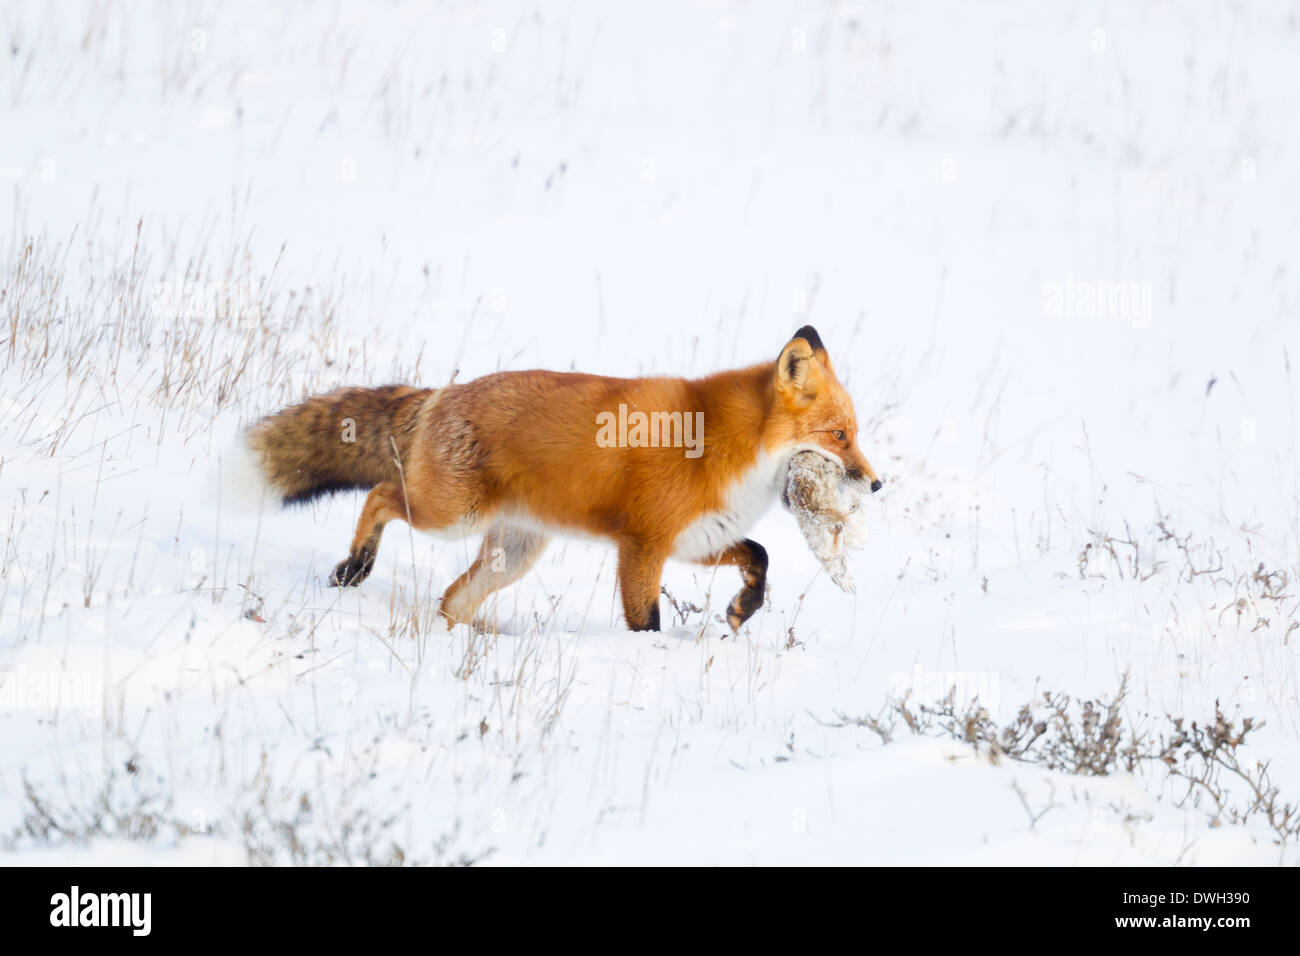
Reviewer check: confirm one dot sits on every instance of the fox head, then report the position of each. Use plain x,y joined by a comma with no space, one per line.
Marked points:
813,411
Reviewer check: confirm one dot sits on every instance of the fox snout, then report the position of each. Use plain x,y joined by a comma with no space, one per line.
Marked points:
859,470
859,476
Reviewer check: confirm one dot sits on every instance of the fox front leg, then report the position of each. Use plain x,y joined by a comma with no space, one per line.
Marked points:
751,558
640,568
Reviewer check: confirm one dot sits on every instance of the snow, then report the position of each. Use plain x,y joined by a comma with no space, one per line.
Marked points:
1049,249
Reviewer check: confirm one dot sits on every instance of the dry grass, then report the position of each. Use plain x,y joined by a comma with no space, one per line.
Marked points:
1091,738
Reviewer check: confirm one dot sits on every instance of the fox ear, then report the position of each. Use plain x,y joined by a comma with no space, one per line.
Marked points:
798,371
809,335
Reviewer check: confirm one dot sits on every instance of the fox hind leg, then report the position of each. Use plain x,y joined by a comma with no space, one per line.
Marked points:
449,505
384,503
506,555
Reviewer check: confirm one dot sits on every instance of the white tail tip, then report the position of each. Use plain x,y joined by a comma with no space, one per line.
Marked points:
238,481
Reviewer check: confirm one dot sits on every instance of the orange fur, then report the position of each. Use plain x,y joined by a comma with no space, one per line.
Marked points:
516,454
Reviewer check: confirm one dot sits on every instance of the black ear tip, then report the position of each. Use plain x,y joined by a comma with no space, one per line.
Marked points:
809,335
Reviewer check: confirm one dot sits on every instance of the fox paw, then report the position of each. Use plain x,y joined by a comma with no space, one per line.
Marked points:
352,571
743,606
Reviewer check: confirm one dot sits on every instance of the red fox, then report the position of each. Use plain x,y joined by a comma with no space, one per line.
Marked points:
662,467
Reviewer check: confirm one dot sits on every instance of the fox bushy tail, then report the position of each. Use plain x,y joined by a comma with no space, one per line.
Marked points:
352,438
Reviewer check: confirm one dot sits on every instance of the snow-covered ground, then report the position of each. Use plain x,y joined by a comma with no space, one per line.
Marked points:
1051,248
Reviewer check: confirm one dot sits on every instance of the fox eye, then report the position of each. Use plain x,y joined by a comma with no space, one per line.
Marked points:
838,434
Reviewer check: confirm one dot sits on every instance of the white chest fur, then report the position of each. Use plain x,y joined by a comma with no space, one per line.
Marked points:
747,499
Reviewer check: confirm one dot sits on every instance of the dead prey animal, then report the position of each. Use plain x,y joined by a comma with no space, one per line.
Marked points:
828,509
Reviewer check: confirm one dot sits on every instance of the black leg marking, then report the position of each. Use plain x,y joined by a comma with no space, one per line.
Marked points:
651,620
355,568
754,573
